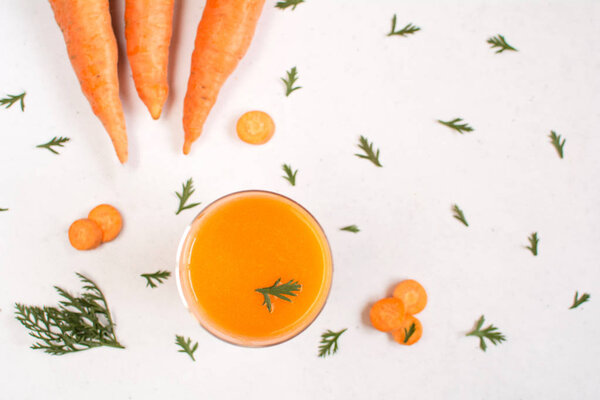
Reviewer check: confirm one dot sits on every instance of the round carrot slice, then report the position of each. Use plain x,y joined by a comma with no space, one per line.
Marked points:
109,219
387,314
255,127
412,294
406,334
85,234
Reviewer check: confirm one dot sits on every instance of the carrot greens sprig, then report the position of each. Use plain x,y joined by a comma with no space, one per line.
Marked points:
558,142
350,228
408,29
78,323
186,346
533,243
370,153
281,291
459,215
156,278
187,189
499,42
55,141
490,333
577,301
290,174
288,3
409,332
329,342
456,125
11,99
292,77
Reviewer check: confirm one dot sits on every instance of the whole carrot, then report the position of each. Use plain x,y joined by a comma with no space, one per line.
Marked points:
92,48
148,28
224,34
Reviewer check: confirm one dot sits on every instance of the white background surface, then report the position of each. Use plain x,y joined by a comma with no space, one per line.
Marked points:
505,175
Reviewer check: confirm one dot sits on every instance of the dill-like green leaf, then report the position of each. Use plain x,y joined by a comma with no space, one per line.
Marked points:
186,346
288,3
370,154
459,215
533,243
55,141
490,333
279,290
77,324
577,301
329,342
454,124
187,189
350,228
290,174
557,143
158,276
11,99
3,209
409,332
409,29
292,77
499,41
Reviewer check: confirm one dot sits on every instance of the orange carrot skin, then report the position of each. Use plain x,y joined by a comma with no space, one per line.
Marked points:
223,37
92,47
148,29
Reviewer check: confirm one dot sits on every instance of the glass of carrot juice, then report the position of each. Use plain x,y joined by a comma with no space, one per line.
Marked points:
254,268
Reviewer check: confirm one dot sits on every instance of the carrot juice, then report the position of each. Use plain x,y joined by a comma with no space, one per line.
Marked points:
240,253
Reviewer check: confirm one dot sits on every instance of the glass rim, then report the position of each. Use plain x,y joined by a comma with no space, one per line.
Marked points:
224,337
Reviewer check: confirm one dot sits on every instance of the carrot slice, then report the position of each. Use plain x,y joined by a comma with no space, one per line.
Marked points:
255,127
401,333
387,314
412,294
108,219
85,234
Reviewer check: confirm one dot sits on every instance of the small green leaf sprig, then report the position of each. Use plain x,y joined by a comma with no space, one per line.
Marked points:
187,189
490,333
55,141
11,99
408,29
283,291
156,278
499,42
290,174
292,77
329,342
186,346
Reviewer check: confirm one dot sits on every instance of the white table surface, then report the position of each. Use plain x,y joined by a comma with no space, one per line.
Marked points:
505,175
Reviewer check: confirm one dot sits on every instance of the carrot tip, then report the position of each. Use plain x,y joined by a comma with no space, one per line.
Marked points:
123,157
155,111
187,147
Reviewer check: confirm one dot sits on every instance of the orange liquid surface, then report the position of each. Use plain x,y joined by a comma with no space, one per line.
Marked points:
247,241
